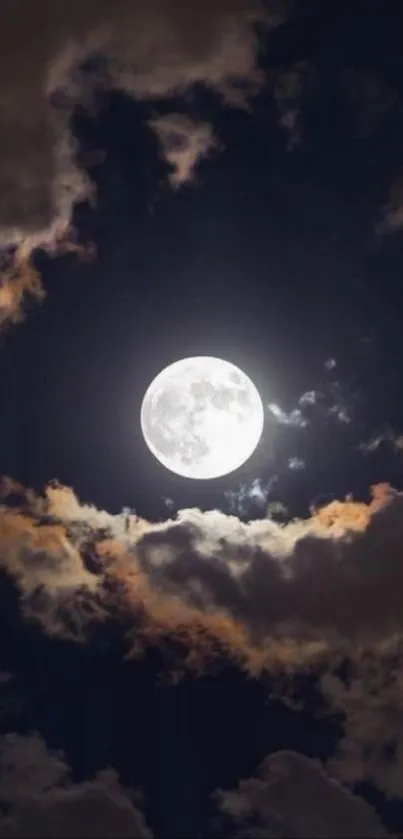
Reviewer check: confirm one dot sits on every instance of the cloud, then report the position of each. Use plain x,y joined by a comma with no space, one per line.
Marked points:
40,555
296,463
294,417
154,50
61,501
17,281
189,639
206,589
386,438
297,580
335,577
370,697
42,801
333,402
291,87
292,796
56,589
75,568
391,216
184,143
251,495
13,493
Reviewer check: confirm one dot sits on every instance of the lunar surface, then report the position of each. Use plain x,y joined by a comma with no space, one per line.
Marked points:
202,417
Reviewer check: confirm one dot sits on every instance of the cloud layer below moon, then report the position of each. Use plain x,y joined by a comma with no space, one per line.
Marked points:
205,588
336,574
208,591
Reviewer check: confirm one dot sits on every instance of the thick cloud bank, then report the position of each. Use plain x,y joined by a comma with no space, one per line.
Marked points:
208,591
336,575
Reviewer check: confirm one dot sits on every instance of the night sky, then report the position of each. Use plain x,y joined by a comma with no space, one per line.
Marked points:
280,250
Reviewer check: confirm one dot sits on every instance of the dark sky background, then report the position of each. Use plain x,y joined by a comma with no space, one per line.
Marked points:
284,255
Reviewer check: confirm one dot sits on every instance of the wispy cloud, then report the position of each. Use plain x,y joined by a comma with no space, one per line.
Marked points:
293,418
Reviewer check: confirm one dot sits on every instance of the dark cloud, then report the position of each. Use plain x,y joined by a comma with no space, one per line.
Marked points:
40,800
371,699
292,796
154,51
296,580
151,51
208,591
291,88
290,583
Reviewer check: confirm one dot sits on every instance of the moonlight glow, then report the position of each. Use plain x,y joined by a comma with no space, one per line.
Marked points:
202,417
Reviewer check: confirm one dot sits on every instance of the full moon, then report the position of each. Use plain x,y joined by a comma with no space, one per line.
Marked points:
202,417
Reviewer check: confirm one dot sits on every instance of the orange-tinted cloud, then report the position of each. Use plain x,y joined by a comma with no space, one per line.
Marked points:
258,587
19,281
206,589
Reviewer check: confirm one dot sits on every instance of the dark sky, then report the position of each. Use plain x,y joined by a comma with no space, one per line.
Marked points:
283,253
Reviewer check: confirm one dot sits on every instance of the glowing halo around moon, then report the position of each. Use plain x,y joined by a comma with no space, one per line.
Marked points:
202,417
